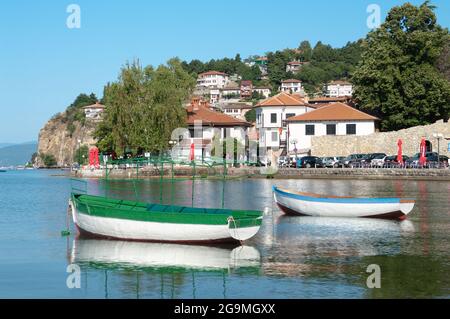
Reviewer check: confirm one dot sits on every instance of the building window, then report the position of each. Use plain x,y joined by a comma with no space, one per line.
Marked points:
309,129
273,118
274,136
351,129
331,129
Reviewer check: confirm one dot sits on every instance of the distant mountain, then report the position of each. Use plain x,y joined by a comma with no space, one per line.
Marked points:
18,154
2,145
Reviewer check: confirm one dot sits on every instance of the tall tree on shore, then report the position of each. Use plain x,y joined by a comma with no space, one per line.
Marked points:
397,78
143,107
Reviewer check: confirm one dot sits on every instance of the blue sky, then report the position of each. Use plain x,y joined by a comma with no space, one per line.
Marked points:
44,65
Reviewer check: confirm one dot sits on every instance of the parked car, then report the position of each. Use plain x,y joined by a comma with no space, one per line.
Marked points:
366,159
414,161
309,162
332,161
353,157
390,161
378,161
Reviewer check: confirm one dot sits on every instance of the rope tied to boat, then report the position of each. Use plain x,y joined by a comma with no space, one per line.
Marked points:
232,220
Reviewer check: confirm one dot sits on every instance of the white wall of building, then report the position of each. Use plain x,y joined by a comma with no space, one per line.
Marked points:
291,87
267,128
298,131
338,90
208,80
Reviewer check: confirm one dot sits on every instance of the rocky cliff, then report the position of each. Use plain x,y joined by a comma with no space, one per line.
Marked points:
56,139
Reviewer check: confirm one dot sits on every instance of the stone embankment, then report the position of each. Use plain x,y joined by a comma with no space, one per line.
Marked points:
284,173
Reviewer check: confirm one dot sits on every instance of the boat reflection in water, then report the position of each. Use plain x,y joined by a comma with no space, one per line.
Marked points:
343,236
124,254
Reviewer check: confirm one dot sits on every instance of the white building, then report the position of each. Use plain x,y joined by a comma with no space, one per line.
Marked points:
94,112
237,110
339,88
291,86
294,66
271,116
332,119
213,78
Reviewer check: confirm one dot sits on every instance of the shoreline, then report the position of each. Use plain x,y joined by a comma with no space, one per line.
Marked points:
284,173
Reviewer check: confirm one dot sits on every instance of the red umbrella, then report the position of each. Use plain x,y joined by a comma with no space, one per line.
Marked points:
423,149
400,152
192,152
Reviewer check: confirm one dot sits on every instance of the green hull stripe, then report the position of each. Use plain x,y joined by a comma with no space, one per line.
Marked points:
136,211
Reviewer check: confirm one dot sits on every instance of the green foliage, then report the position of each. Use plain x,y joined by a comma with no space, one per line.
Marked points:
397,79
81,155
48,160
325,64
75,112
34,156
143,107
250,116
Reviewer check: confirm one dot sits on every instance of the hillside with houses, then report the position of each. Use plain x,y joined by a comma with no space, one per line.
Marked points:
281,101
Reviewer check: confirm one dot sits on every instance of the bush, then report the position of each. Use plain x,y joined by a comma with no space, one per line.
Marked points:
48,160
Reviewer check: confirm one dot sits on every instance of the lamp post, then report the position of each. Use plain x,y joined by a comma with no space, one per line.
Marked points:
79,153
438,136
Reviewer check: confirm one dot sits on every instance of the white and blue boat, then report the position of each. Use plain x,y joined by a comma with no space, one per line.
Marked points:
309,204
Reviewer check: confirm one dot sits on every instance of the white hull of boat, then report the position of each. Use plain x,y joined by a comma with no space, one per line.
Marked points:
159,232
296,203
137,254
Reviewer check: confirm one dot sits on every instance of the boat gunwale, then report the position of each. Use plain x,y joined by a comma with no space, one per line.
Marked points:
241,217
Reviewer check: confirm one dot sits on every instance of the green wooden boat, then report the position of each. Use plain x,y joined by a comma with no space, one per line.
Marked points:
132,220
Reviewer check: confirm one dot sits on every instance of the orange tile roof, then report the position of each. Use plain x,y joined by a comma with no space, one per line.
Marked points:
283,99
210,117
334,112
291,81
94,106
212,73
328,99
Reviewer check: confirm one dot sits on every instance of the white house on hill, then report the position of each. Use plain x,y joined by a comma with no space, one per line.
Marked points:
339,88
213,78
332,119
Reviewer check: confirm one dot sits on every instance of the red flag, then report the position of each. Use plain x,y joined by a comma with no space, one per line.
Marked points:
192,152
400,152
423,150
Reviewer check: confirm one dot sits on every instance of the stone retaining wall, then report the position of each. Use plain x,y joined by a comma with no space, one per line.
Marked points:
285,173
382,142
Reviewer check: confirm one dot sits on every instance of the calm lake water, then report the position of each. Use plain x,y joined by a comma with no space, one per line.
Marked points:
291,257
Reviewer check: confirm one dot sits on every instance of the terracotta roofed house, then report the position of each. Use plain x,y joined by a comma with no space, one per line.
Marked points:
213,78
94,111
291,86
204,123
271,116
332,119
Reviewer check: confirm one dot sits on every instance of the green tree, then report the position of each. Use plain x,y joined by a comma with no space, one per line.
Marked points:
48,160
81,155
143,107
398,79
250,116
305,51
